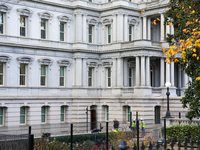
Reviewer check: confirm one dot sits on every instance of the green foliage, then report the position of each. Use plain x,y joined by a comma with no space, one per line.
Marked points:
185,17
182,131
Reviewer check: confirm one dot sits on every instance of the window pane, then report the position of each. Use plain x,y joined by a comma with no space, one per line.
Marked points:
90,38
1,120
109,73
1,67
90,72
22,21
109,30
62,27
62,71
109,38
61,117
107,112
89,82
43,70
130,38
1,18
22,111
129,82
62,109
43,118
43,24
22,68
1,111
43,110
22,31
90,0
1,79
109,82
22,119
1,28
130,73
61,81
43,81
129,110
130,30
22,80
90,29
43,34
61,36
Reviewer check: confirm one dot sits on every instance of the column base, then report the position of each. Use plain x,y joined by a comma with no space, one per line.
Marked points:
172,91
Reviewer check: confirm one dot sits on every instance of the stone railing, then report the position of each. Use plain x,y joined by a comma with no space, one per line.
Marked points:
176,121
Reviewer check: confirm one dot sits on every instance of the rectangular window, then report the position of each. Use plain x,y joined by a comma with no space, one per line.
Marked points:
22,115
1,73
109,34
62,113
43,75
62,31
1,116
1,23
22,74
130,77
62,76
43,29
130,33
43,114
109,77
90,33
22,26
90,0
107,113
129,112
109,0
90,77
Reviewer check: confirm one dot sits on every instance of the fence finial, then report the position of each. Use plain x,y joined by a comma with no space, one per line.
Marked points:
123,145
150,146
142,146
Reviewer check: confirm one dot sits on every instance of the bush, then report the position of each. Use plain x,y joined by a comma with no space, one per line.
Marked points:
182,131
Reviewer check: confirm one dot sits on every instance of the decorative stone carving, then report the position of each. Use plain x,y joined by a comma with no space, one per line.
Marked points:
45,61
5,59
107,64
25,12
4,8
45,15
25,60
65,18
64,62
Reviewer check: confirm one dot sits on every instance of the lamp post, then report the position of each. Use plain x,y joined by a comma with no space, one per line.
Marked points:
168,115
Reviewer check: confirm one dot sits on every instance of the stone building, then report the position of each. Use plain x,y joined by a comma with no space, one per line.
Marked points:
58,57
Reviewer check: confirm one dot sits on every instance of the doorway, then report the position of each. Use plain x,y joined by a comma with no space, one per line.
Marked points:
93,117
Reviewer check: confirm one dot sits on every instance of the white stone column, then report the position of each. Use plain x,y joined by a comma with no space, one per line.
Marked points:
144,27
120,27
172,29
167,29
79,26
79,73
147,71
68,39
103,76
99,76
85,74
172,74
96,34
167,72
186,79
114,72
143,71
137,71
162,71
84,28
126,72
179,77
162,34
114,28
73,72
120,72
149,28
139,29
126,27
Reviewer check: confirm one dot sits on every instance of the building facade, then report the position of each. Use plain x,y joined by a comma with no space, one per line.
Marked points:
58,57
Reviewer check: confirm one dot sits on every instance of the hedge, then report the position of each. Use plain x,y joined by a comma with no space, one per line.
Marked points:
182,131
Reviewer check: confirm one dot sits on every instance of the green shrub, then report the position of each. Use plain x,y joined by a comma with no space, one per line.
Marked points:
182,131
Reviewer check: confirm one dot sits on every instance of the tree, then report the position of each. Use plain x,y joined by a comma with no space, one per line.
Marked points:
184,49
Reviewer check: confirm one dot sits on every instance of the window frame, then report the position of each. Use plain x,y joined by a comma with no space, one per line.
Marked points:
23,115
43,76
62,76
130,78
25,27
25,75
90,77
44,114
62,113
92,30
108,69
63,32
108,35
3,23
46,21
3,74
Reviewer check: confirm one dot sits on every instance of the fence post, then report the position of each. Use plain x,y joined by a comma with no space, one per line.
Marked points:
29,130
137,124
165,144
71,136
31,141
106,135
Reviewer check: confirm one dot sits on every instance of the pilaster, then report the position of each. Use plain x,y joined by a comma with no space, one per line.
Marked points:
144,27
172,74
147,71
162,70
143,71
162,27
79,27
120,27
137,71
120,72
